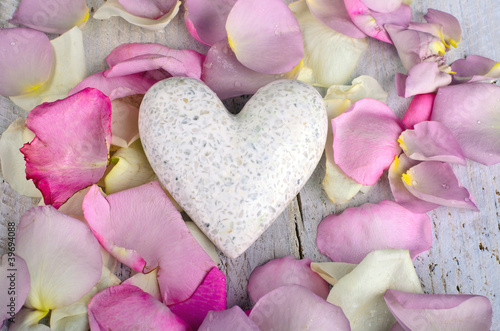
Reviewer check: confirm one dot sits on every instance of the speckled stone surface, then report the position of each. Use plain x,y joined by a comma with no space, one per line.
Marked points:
232,174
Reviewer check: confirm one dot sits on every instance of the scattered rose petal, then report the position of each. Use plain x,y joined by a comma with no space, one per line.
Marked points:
285,271
51,16
124,123
475,68
28,319
205,21
73,206
447,312
365,140
437,183
209,296
152,9
160,237
419,110
425,77
14,277
383,6
452,32
339,187
203,240
146,282
26,61
294,307
265,36
127,307
75,129
230,319
113,8
360,293
472,113
332,271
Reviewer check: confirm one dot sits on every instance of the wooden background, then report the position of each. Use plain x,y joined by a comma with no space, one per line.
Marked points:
464,257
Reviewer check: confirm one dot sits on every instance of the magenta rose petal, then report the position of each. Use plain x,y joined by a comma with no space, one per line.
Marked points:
415,311
26,60
70,148
209,296
127,307
265,36
285,271
51,16
425,77
365,140
472,113
419,110
142,223
349,236
230,319
152,9
294,307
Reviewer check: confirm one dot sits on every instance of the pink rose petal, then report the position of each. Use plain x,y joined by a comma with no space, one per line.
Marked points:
452,32
51,16
14,276
124,123
265,36
127,307
383,6
419,110
425,77
475,68
26,60
294,307
285,271
472,113
70,149
365,140
152,9
231,319
142,224
209,296
415,311
349,236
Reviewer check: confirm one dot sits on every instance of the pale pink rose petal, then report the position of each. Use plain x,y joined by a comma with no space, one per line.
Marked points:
70,149
383,6
14,281
333,14
475,68
127,307
419,110
142,224
365,140
230,319
265,36
152,9
26,60
209,296
62,255
206,21
349,236
436,182
124,123
472,113
452,32
285,271
399,191
294,307
51,16
116,87
425,77
431,141
447,312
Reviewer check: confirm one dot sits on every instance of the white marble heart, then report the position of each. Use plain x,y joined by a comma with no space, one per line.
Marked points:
232,174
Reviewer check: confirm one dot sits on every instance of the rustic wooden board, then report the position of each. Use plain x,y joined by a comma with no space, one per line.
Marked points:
465,255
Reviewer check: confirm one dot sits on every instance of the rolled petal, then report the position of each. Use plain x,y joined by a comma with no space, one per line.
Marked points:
332,271
285,271
365,140
294,307
475,68
127,307
230,319
206,22
419,110
445,312
14,281
452,32
265,36
152,9
62,255
113,8
75,129
360,293
209,296
26,61
124,123
334,15
143,229
330,56
472,113
51,16
425,77
401,194
146,282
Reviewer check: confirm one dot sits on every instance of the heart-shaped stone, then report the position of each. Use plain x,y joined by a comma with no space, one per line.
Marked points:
232,174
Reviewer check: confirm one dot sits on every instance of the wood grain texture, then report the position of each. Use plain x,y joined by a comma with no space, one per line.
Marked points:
464,257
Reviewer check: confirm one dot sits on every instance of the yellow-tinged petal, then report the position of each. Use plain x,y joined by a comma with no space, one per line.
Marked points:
407,178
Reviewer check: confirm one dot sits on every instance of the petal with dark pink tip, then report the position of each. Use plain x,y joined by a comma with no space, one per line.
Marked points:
365,140
265,36
230,319
447,312
419,110
70,148
285,271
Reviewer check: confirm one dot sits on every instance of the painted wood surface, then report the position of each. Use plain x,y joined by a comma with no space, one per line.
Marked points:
464,257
